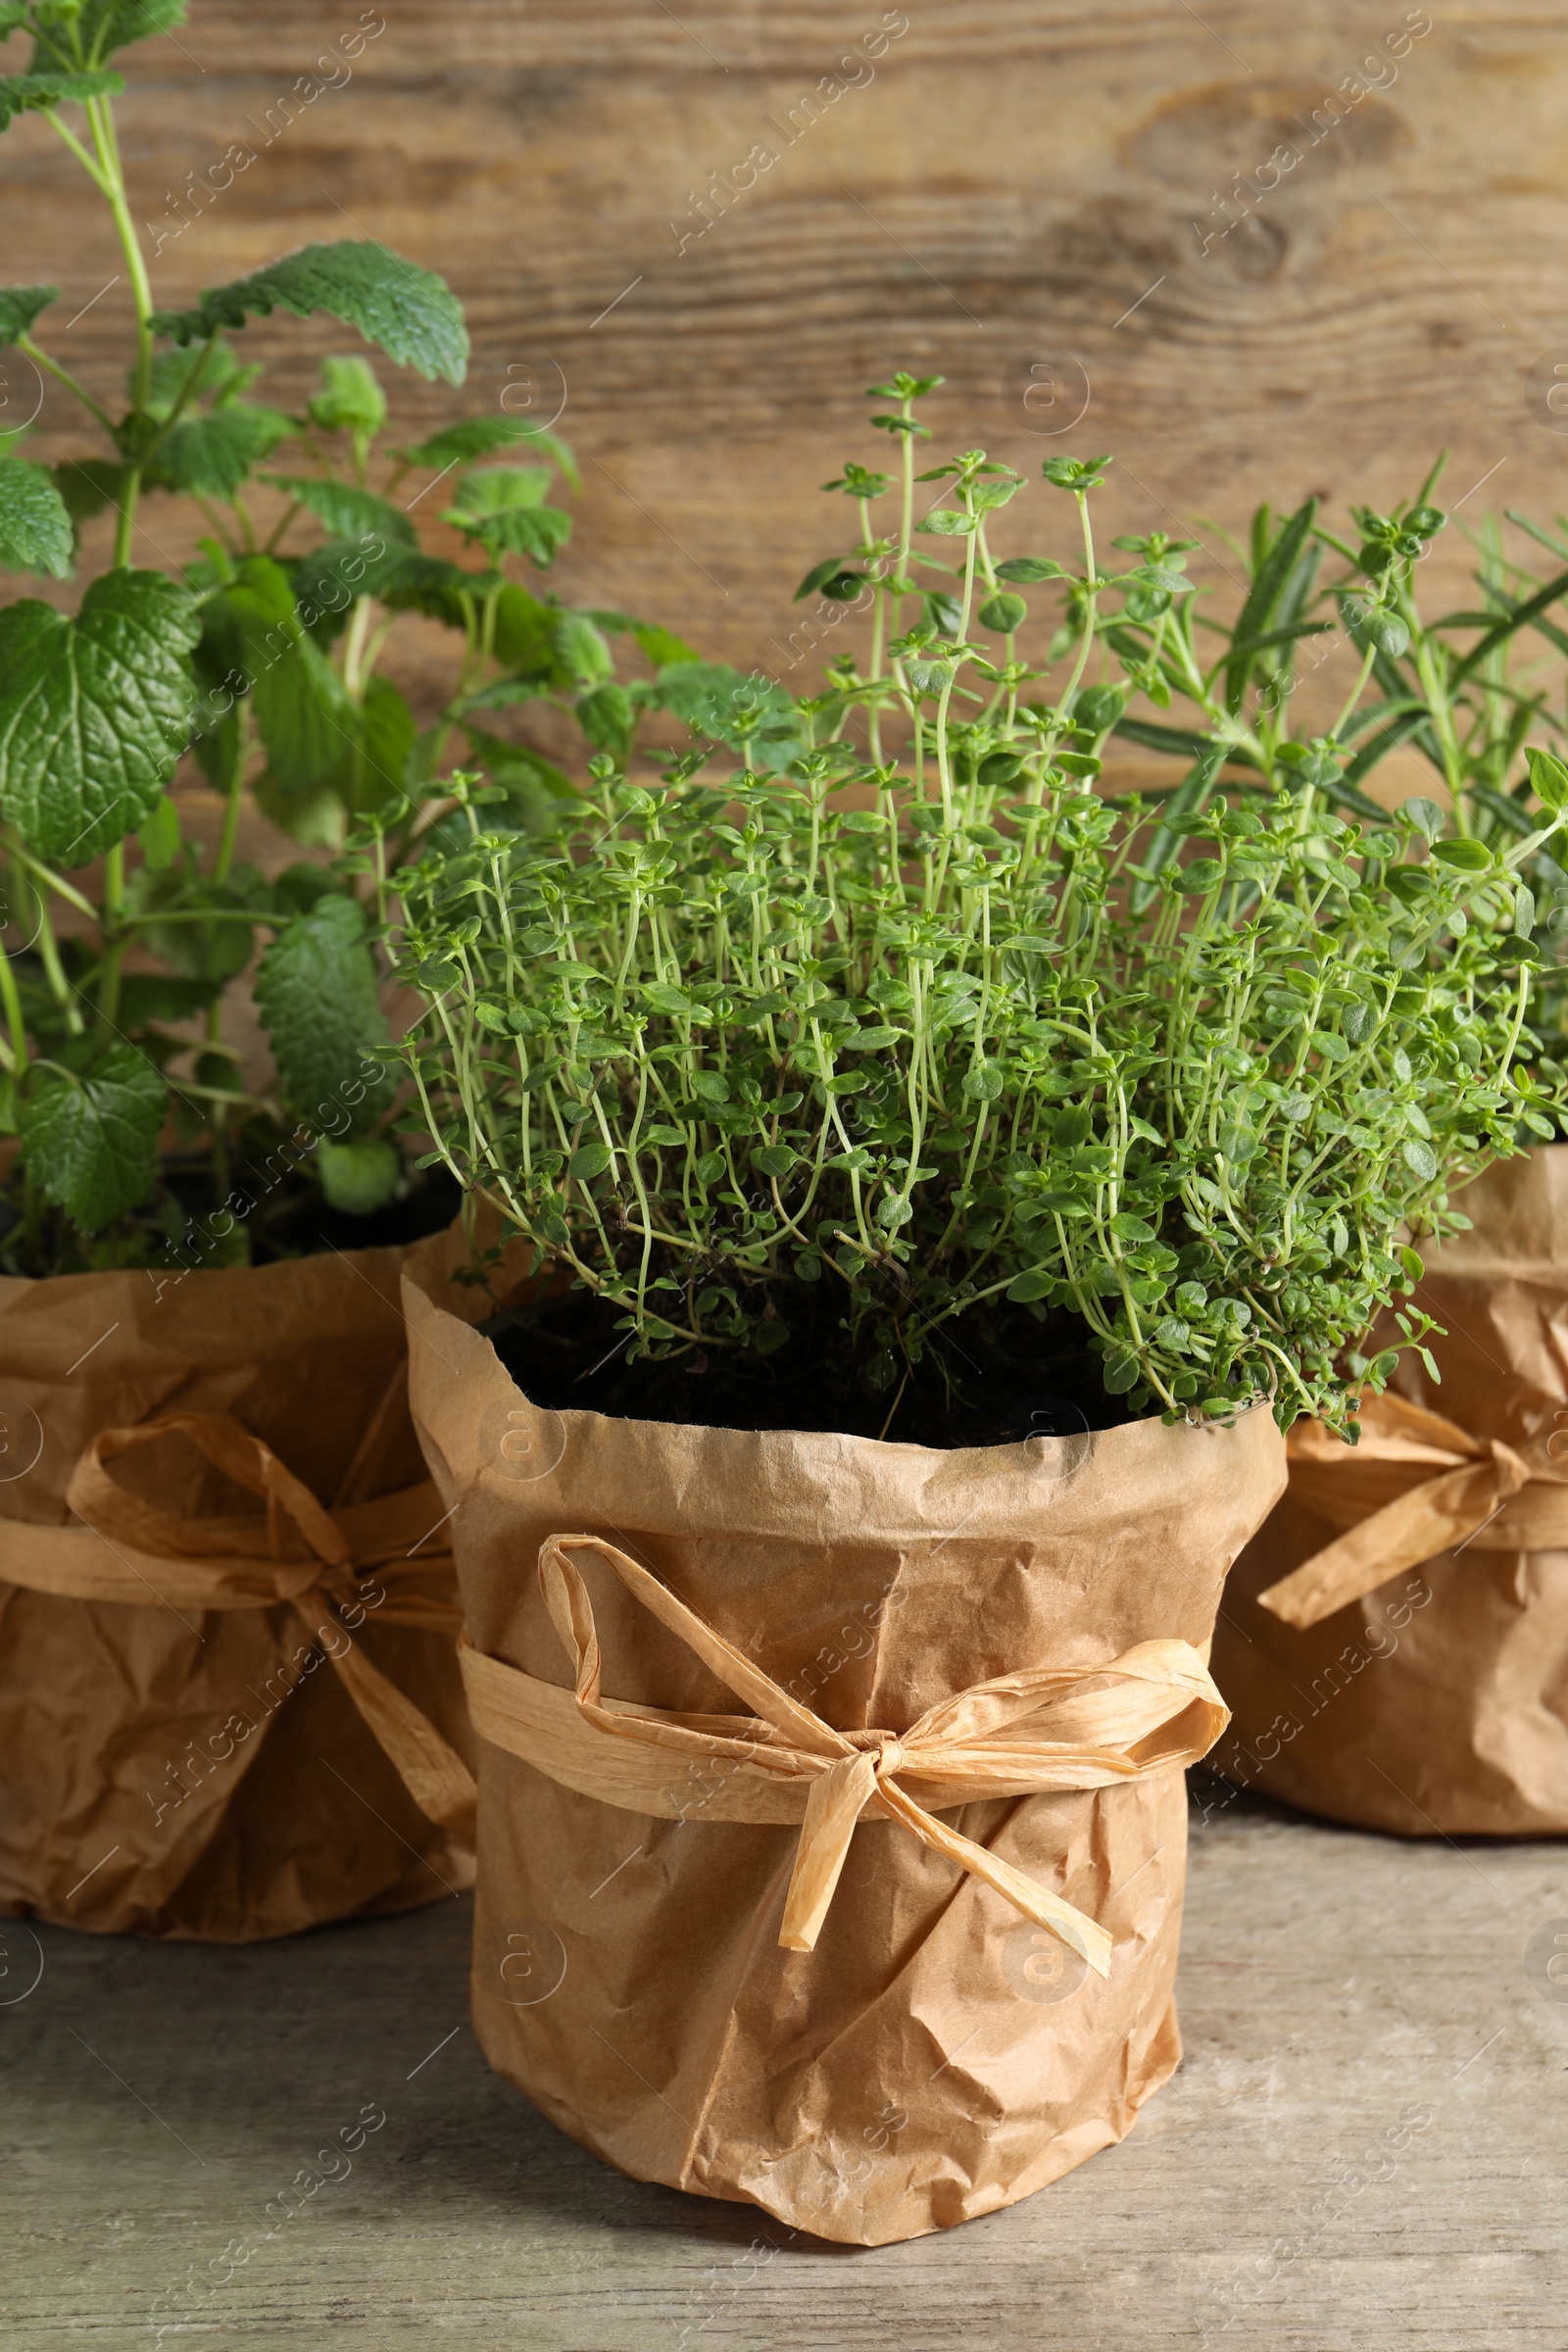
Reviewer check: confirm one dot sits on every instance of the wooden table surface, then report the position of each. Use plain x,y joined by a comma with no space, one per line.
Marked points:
1364,2150
1038,200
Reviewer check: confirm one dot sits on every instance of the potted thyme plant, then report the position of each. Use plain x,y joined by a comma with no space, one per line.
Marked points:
949,1195
194,1251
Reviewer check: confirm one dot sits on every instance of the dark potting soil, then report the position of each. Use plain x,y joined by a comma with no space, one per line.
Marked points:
983,1383
310,1224
185,1222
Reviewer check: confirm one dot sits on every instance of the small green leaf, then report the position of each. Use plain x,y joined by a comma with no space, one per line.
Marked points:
1128,1228
497,490
35,534
481,437
104,25
212,456
607,718
350,399
158,836
1420,1159
1037,1282
20,306
774,1159
1425,815
35,93
1029,571
581,656
374,768
1464,857
1548,778
95,711
346,512
304,716
1003,613
833,579
329,578
520,529
409,313
319,999
589,1160
91,1144
662,998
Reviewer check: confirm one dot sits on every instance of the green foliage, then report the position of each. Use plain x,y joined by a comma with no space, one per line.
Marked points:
501,508
94,712
303,710
481,437
95,28
319,999
408,312
346,512
41,94
350,401
212,456
35,534
20,306
91,1142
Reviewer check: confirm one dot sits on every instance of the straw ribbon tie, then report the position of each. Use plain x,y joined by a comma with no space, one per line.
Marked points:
243,1563
1152,1709
1476,1479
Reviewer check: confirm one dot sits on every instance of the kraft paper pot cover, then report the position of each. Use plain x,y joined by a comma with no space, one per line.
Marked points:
229,1698
782,1619
1431,1696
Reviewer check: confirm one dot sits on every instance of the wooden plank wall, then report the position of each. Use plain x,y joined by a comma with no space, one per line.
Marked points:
1039,201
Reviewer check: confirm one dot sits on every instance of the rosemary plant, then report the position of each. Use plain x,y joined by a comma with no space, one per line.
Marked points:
1471,690
859,1078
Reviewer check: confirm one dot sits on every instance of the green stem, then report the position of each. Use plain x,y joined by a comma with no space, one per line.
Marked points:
186,391
111,180
114,937
60,988
10,999
62,376
234,791
81,154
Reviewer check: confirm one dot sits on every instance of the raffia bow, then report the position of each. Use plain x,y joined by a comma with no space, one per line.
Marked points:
1154,1709
1397,1524
298,1552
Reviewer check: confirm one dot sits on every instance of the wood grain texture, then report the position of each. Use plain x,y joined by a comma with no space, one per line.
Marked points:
1006,185
1364,2150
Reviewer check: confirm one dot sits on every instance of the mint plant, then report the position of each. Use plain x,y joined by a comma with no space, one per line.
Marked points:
865,1079
125,1111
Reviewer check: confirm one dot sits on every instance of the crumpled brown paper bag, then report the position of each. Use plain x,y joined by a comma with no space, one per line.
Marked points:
937,2055
1436,1702
186,1770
